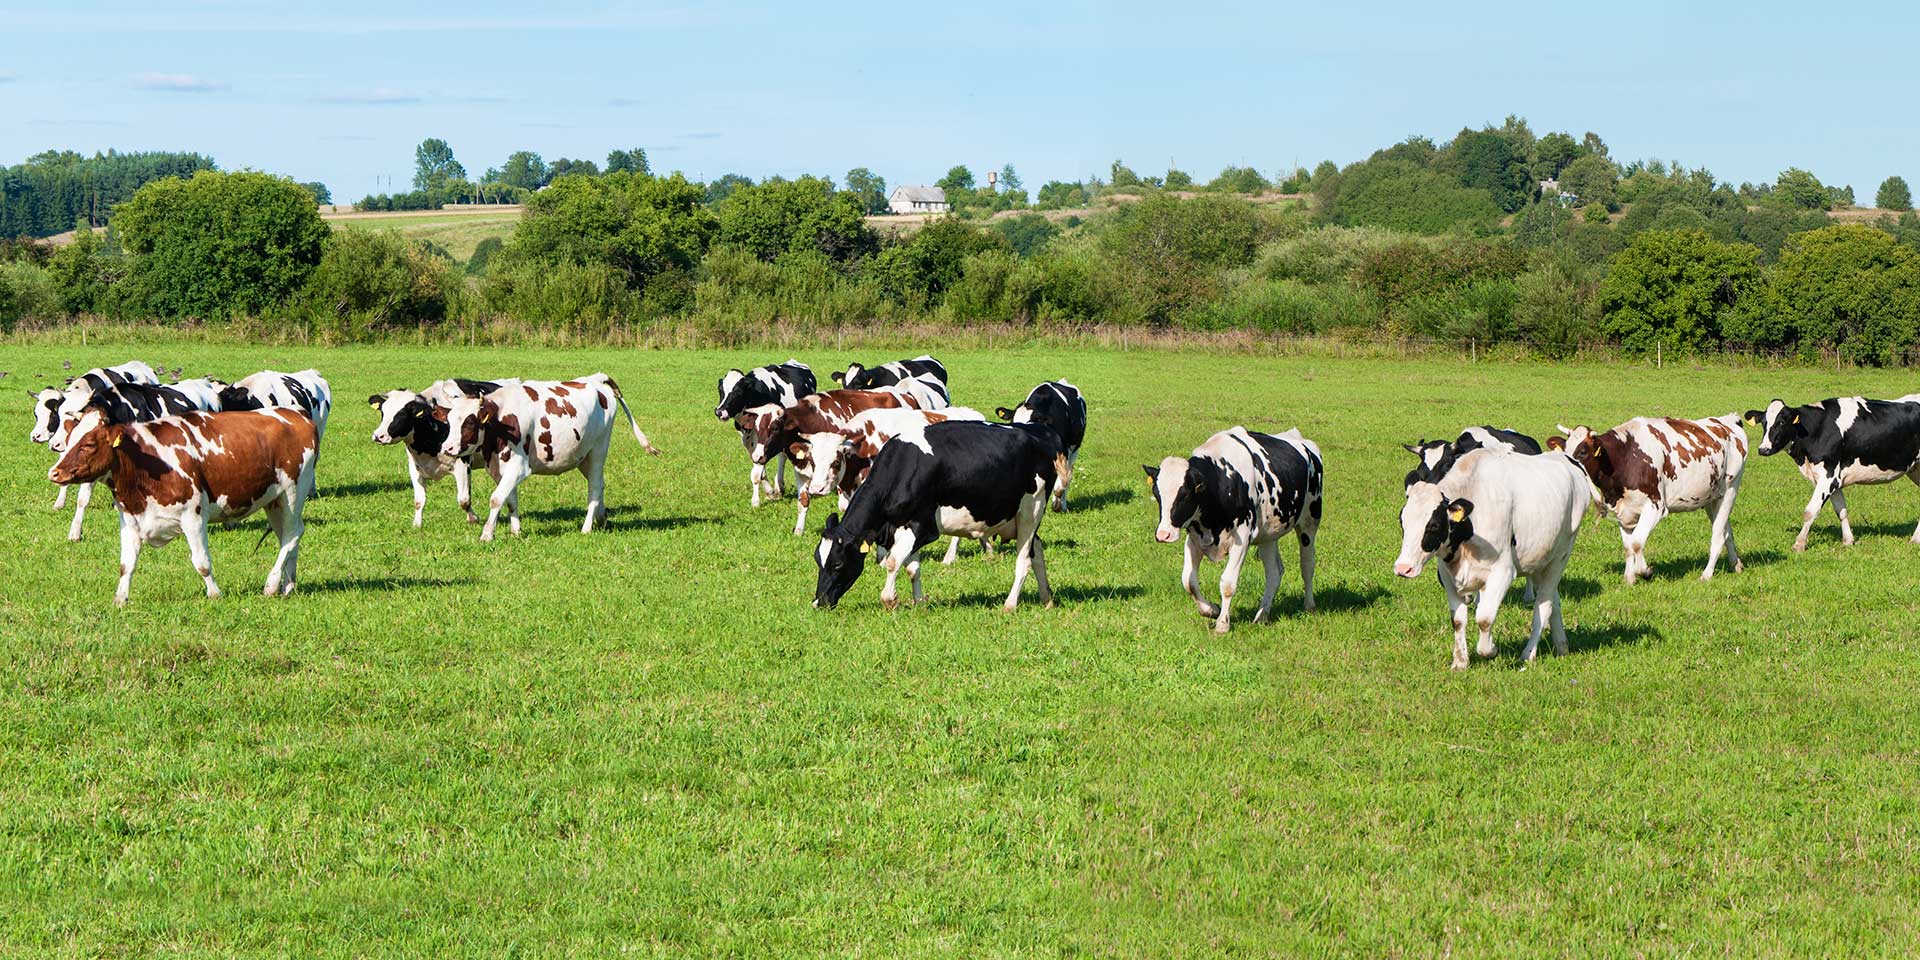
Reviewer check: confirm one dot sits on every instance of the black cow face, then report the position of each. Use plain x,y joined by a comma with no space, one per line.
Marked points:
1779,426
842,557
236,398
1450,526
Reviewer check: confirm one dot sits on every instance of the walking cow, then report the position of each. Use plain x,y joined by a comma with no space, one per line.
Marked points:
1058,406
1649,467
1841,442
776,385
1240,490
409,418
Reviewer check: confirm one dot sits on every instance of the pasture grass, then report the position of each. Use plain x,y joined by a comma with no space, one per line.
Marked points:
457,233
644,742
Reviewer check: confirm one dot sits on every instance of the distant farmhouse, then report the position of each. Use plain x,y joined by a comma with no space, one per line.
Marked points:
918,200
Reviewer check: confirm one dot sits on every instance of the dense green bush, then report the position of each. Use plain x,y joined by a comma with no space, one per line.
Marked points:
30,292
1410,268
219,244
918,272
635,225
1674,290
1026,233
1557,305
483,254
374,281
1285,306
994,286
1848,288
796,216
1239,180
1400,196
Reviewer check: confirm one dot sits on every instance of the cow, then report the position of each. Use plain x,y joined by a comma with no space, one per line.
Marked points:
1240,490
125,402
306,391
963,478
838,461
81,389
176,475
1649,467
408,417
47,405
768,431
861,377
539,427
1060,406
1496,516
779,385
1438,456
1841,442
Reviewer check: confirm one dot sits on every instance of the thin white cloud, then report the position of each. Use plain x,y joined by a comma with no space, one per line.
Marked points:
6,77
178,83
703,135
376,97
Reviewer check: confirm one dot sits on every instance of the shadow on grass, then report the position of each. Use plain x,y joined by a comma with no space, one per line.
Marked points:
629,519
1595,638
1099,501
1687,568
379,584
1333,599
358,488
1062,594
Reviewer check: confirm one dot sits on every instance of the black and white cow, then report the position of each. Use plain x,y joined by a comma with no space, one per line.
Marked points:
1236,491
774,385
121,403
959,477
861,377
1057,405
1496,516
408,417
1841,442
306,391
1438,456
46,419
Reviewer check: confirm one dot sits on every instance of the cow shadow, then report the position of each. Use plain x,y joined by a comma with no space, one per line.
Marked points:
1597,638
1063,594
1099,501
1336,599
617,519
361,488
1689,568
379,584
1862,531
1571,588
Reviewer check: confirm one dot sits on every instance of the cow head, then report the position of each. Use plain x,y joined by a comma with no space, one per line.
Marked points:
46,414
239,398
766,432
468,420
1430,524
732,399
1779,426
1431,453
87,444
1181,487
841,557
852,377
398,414
820,458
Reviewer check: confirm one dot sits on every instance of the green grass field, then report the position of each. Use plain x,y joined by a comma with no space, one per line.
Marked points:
459,233
645,742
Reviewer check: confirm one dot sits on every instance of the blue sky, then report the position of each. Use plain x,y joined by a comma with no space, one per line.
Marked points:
342,92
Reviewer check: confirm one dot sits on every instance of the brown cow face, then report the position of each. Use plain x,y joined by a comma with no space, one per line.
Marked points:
89,450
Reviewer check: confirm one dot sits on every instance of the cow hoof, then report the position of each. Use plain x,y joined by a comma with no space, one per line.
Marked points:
1847,542
486,538
213,593
120,600
1739,567
1459,664
473,518
73,537
1799,546
1307,607
1221,628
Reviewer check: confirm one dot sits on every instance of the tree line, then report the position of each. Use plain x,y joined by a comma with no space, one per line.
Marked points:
51,191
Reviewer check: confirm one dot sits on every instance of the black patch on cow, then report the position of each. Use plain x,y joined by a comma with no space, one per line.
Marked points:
1469,440
889,374
1057,405
129,402
751,392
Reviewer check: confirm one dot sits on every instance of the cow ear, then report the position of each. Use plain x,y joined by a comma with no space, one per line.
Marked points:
486,411
839,376
376,400
1413,448
1557,443
1796,418
439,413
866,546
118,433
1153,473
1460,510
1754,417
1003,413
797,452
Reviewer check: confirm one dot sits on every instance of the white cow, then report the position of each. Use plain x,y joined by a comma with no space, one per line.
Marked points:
1494,517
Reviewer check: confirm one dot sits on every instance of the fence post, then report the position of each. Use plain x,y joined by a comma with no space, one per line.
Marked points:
1657,355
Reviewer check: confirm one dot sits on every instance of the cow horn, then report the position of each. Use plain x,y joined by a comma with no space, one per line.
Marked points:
1563,429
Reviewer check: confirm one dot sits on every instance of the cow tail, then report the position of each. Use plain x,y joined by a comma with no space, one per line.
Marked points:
635,424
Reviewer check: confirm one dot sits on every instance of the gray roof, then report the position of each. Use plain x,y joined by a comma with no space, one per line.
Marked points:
920,194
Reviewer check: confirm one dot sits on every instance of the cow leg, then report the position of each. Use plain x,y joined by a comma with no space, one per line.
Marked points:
462,489
1190,578
1457,610
800,515
913,574
953,551
1546,611
1026,530
1306,567
284,517
506,493
595,468
1840,510
1498,580
902,550
1066,480
1915,477
780,476
1040,571
194,527
80,501
758,478
1270,562
1229,582
60,501
1822,489
419,490
1636,543
1722,537
129,555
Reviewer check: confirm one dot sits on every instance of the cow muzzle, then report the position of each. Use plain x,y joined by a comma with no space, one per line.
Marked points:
1402,568
1166,534
721,413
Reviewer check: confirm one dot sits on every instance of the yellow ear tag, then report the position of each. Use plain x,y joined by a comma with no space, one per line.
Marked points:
373,406
486,415
1796,418
1456,514
116,441
866,547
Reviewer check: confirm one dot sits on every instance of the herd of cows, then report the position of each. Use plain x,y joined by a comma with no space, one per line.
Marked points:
906,467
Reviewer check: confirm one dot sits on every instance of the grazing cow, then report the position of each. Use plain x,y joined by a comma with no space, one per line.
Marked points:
406,416
1841,442
177,475
963,478
861,377
1059,406
122,403
1649,467
1494,517
768,431
1438,456
839,460
539,427
780,385
1238,490
306,391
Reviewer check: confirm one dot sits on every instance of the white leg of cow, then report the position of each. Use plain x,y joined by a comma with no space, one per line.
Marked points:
1190,578
1066,480
1040,571
898,553
513,470
1915,477
80,501
1822,489
595,468
193,527
462,489
758,478
60,501
419,491
1024,531
1229,582
1270,560
953,551
284,517
129,555
1306,568
513,512
780,476
1499,579
800,515
1458,612
1722,538
1840,510
913,574
1636,543
1546,612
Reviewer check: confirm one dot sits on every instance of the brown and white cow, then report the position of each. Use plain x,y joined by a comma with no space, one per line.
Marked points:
175,476
770,430
1649,467
539,427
